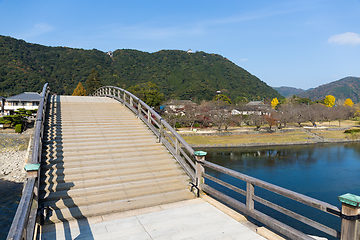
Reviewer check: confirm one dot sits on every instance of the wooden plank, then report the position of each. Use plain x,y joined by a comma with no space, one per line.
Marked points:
323,206
299,217
225,184
268,221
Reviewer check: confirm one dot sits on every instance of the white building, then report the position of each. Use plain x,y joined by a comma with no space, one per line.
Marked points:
27,100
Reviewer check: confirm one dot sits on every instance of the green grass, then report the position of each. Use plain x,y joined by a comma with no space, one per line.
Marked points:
265,138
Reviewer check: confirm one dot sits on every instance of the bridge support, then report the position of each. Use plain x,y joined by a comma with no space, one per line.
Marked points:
350,214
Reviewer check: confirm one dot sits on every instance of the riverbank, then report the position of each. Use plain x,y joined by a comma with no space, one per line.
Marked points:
292,135
14,152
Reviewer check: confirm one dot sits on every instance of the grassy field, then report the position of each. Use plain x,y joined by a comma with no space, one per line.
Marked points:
295,136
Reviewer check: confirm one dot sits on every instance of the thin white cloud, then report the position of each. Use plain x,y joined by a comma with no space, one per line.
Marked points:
39,29
348,38
244,60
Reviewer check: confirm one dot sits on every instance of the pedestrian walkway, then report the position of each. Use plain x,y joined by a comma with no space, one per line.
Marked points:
191,219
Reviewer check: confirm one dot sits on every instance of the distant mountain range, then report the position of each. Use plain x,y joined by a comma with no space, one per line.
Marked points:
178,74
289,91
348,87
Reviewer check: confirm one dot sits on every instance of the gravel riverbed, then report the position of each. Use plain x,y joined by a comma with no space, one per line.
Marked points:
13,155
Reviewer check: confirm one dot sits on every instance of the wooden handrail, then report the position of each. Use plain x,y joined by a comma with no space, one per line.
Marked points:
23,225
250,197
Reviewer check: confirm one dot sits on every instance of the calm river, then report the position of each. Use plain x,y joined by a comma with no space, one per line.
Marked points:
321,171
10,194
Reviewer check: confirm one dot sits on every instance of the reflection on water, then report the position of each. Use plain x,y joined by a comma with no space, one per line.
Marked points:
321,171
10,194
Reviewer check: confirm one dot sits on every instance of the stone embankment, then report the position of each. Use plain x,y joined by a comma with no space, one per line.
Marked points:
14,152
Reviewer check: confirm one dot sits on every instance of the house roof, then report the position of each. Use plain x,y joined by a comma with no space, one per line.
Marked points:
25,97
254,103
179,102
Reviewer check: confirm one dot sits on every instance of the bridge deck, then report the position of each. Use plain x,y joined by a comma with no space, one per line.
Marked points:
105,176
99,158
189,220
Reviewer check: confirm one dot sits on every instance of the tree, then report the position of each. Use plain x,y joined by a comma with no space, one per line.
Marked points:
93,82
79,90
148,93
223,98
329,101
348,103
274,103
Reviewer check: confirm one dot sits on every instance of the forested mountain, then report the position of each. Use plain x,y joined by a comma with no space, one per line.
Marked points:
178,74
348,87
289,91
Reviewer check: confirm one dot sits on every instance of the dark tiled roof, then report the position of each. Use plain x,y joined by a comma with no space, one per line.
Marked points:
25,97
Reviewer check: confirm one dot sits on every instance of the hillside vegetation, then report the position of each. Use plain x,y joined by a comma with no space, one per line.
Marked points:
289,91
178,74
348,87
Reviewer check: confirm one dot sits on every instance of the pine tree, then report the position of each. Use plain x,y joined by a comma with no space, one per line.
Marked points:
79,90
93,82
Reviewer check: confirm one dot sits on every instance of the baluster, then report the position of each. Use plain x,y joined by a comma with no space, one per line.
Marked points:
139,108
161,131
249,196
149,116
124,98
177,150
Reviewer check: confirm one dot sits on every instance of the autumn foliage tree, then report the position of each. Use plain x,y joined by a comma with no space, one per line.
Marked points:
348,103
329,101
79,90
274,103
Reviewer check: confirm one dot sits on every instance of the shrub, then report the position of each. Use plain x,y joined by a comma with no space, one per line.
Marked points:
18,128
352,131
177,125
196,125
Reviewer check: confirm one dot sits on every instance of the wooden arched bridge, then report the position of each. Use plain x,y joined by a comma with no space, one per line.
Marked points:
110,152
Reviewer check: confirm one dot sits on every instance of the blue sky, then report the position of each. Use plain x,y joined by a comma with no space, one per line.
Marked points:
297,43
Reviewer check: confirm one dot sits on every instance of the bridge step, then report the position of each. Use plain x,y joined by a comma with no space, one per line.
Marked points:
109,193
118,206
99,158
86,183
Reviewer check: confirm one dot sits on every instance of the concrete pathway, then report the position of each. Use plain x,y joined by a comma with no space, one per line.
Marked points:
191,219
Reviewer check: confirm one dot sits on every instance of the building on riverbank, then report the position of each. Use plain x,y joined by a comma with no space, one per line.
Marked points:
27,100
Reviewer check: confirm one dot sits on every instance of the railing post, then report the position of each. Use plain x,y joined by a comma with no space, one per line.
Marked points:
131,101
177,150
249,196
200,157
350,216
149,116
139,108
124,98
161,130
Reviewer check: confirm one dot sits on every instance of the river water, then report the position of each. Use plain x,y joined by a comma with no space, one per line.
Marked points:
321,171
10,194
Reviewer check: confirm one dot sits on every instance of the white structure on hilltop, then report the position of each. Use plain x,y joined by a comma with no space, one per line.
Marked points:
110,53
189,51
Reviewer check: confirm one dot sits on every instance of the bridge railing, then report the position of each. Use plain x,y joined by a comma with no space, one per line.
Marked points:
194,164
23,225
177,146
